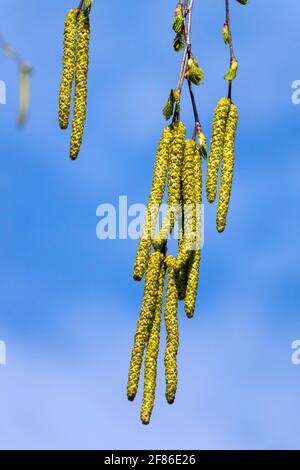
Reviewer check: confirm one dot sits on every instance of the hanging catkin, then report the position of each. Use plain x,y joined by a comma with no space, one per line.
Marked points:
25,71
81,75
179,162
193,271
172,342
145,322
155,200
216,148
152,353
189,209
174,184
227,168
69,56
188,223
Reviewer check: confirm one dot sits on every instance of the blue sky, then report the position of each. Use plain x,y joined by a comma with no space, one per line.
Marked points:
67,300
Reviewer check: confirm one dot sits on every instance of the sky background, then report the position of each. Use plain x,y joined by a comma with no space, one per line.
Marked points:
68,305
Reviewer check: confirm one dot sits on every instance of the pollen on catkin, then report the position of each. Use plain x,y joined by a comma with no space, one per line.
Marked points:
227,168
145,322
172,342
81,76
69,57
155,200
174,184
216,148
152,353
186,245
193,270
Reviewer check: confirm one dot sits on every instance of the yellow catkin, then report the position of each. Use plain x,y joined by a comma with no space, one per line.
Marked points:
193,269
155,200
227,168
174,184
145,322
187,242
25,71
172,343
67,79
81,75
152,353
187,239
216,148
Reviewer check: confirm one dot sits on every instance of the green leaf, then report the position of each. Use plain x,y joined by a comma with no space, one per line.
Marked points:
178,22
87,5
231,74
202,145
178,42
194,73
177,99
225,32
169,106
173,100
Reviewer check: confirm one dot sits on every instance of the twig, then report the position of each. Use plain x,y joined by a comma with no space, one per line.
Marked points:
80,6
198,127
184,10
230,42
187,12
10,52
188,31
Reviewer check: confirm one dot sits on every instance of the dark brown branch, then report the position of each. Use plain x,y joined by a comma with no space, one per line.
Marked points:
80,6
187,12
230,42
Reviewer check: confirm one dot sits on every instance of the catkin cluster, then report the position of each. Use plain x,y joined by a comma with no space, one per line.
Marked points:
75,68
222,154
179,161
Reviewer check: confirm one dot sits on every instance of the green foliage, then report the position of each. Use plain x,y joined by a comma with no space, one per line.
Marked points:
173,101
231,74
194,73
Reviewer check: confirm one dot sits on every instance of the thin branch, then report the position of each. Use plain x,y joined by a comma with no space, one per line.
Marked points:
182,70
230,42
189,28
188,32
80,6
195,110
187,12
184,10
10,52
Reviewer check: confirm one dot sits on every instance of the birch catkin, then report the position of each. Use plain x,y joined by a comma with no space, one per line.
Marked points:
193,272
189,208
152,353
179,161
172,342
227,168
155,200
69,56
145,322
174,184
216,148
81,75
25,71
